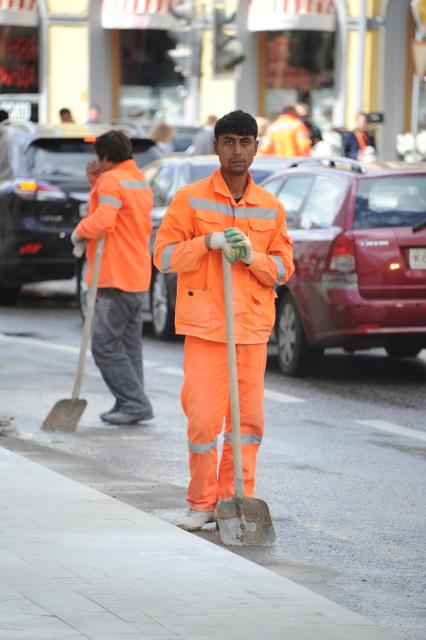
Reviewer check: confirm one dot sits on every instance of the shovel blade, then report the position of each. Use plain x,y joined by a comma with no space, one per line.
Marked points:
245,521
65,415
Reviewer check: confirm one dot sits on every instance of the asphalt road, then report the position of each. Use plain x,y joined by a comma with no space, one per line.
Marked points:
342,465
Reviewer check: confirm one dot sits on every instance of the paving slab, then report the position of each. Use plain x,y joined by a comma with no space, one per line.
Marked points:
76,563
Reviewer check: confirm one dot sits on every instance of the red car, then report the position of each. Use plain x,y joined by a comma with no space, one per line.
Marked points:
360,253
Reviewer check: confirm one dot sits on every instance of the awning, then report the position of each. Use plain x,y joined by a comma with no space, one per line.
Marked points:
289,15
139,14
19,13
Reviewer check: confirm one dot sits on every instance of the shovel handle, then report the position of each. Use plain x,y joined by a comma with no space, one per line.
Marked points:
91,299
233,378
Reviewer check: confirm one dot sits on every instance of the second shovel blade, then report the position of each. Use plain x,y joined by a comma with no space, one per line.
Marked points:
65,415
245,521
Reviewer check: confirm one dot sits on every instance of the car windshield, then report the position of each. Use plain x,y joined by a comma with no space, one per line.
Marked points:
59,158
390,202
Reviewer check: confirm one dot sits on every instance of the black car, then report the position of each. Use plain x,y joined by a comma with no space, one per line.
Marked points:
43,194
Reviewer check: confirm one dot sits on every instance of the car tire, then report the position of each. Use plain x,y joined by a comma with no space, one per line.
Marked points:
296,357
403,352
9,295
162,309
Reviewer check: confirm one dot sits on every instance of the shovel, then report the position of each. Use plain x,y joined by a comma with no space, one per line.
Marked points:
241,520
65,414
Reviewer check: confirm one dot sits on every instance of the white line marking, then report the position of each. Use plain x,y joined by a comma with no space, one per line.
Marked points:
270,394
382,425
173,371
41,343
277,396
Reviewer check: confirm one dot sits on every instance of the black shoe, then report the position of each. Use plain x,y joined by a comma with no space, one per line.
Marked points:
123,418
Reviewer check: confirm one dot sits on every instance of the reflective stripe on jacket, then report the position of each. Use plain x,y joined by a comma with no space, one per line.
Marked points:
202,208
287,136
120,208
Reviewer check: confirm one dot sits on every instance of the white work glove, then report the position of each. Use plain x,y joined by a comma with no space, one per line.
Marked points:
238,240
218,241
79,243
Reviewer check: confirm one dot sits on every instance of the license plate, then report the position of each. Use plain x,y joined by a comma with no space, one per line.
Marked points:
417,257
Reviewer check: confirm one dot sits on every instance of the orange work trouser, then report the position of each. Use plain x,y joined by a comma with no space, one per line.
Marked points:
206,403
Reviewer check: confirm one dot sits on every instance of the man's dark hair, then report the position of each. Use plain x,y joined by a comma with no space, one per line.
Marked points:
114,146
64,111
236,122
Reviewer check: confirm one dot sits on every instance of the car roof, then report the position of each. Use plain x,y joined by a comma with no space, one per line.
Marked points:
65,130
350,168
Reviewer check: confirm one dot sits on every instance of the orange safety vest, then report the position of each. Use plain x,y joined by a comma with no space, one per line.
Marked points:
287,136
120,208
202,208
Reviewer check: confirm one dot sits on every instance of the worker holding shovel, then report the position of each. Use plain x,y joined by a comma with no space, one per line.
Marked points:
120,211
225,213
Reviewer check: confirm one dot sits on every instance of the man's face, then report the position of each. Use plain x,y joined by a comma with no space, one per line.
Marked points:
361,122
104,165
235,152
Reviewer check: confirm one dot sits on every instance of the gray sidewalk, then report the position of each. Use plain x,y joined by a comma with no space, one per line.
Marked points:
77,564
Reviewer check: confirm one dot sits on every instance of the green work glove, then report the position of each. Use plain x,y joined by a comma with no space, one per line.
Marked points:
238,240
217,240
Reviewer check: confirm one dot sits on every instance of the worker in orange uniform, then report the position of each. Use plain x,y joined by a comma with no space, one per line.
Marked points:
120,209
228,212
287,136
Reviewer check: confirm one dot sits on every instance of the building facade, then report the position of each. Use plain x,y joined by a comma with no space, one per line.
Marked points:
339,56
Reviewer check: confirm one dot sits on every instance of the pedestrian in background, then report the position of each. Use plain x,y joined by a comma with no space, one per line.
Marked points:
203,141
263,125
360,143
287,136
228,212
120,209
162,134
95,115
159,137
303,111
65,115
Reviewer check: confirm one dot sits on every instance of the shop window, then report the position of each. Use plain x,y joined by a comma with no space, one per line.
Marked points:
150,86
300,67
18,60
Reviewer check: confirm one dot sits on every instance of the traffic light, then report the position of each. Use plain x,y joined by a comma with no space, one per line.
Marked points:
228,50
184,55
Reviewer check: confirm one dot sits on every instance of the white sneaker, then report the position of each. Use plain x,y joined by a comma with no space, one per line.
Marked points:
195,520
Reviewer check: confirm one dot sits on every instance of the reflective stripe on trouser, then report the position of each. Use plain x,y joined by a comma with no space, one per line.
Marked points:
205,401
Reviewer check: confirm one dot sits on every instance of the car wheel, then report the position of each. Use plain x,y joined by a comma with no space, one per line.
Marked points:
403,352
161,307
9,295
295,355
82,287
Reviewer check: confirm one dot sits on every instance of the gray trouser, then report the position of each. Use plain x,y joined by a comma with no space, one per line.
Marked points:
117,347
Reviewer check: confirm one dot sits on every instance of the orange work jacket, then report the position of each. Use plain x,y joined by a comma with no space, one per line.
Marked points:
120,208
202,208
287,136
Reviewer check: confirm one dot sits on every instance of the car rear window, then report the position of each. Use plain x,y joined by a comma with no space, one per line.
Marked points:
67,158
390,202
59,158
